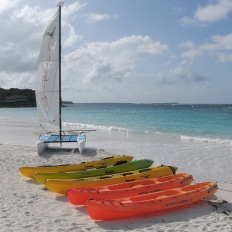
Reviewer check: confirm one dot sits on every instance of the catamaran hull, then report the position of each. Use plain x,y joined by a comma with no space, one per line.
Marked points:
81,146
81,140
43,142
41,147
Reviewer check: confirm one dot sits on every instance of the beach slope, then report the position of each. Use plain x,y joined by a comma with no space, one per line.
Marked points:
26,206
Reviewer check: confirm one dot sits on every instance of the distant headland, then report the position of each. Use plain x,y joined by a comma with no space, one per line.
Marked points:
19,98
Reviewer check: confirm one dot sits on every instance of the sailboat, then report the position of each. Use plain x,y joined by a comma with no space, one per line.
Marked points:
48,90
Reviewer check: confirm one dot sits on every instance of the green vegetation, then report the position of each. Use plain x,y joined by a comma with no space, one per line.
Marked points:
17,97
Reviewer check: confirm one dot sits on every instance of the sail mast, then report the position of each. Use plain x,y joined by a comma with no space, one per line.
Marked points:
60,4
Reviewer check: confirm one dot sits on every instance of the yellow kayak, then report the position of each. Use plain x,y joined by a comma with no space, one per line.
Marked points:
62,185
28,171
111,169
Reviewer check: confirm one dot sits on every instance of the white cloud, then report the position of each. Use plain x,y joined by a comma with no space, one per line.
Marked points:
71,9
225,57
69,37
224,42
95,17
185,21
22,28
101,63
180,74
6,5
210,13
105,63
216,47
213,12
112,61
17,80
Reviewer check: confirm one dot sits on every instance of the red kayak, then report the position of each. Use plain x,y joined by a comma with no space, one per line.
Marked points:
149,203
127,189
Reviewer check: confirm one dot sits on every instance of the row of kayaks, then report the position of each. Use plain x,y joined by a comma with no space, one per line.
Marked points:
118,187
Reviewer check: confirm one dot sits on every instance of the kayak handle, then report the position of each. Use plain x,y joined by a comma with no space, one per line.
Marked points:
130,180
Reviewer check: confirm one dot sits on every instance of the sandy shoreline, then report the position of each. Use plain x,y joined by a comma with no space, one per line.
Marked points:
25,206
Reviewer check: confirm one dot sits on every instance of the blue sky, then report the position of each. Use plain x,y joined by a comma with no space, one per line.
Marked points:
140,51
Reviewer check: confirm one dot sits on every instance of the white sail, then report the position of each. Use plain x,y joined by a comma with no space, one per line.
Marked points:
47,82
48,96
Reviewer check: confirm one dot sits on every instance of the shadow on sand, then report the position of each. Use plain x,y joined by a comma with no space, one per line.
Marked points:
54,151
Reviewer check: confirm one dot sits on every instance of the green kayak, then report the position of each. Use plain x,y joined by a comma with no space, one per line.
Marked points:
111,169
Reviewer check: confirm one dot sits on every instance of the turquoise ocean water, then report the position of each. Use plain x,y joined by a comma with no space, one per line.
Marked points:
193,120
195,138
213,121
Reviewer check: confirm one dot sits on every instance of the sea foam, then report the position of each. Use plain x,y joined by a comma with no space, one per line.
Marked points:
206,140
80,126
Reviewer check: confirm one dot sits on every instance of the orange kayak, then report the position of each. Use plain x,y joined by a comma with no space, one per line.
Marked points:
149,203
80,196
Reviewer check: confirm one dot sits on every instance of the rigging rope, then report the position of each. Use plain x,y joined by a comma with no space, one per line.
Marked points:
68,76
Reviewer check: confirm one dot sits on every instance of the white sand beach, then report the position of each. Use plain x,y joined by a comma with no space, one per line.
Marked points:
26,206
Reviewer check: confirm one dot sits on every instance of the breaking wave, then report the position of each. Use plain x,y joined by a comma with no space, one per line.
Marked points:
207,140
79,126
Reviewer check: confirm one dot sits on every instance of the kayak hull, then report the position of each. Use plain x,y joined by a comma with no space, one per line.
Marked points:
149,203
135,188
128,166
61,186
28,171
